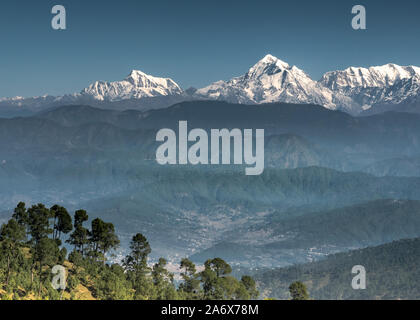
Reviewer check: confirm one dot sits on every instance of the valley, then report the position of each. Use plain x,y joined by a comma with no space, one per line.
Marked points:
311,200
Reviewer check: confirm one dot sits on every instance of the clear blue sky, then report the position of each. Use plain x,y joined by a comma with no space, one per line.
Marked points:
194,42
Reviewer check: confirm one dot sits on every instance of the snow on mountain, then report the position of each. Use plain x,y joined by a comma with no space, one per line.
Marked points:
273,80
137,91
17,98
270,80
136,86
353,90
39,102
383,76
388,84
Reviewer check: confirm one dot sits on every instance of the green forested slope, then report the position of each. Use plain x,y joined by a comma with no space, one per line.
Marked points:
32,247
392,273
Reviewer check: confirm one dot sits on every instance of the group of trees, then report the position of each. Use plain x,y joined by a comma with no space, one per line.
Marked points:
31,243
393,273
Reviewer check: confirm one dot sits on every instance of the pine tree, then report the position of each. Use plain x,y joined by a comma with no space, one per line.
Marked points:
39,222
136,266
11,236
298,291
163,281
191,283
250,286
62,221
103,237
79,237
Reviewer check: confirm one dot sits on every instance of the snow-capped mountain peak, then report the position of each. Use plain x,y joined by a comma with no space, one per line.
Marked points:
354,89
270,80
270,66
387,84
269,61
135,86
140,79
379,76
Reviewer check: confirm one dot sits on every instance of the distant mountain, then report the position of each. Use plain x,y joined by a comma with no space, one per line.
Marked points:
353,90
356,78
389,84
137,85
392,273
138,91
401,167
289,151
272,80
20,106
296,135
104,161
403,96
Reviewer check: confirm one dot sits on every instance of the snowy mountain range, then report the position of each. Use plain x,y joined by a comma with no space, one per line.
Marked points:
388,84
272,80
136,86
353,90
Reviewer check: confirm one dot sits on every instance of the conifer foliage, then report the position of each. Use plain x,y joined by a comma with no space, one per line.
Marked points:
32,243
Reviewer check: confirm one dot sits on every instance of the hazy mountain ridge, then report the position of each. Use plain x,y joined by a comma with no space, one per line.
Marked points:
296,135
104,161
186,215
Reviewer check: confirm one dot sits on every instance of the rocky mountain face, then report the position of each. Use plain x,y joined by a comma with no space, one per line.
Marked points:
272,80
353,90
388,84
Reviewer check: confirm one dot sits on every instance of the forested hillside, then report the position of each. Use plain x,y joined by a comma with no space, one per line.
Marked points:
31,244
392,272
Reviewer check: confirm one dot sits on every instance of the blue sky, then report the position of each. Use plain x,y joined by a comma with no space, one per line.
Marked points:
194,42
